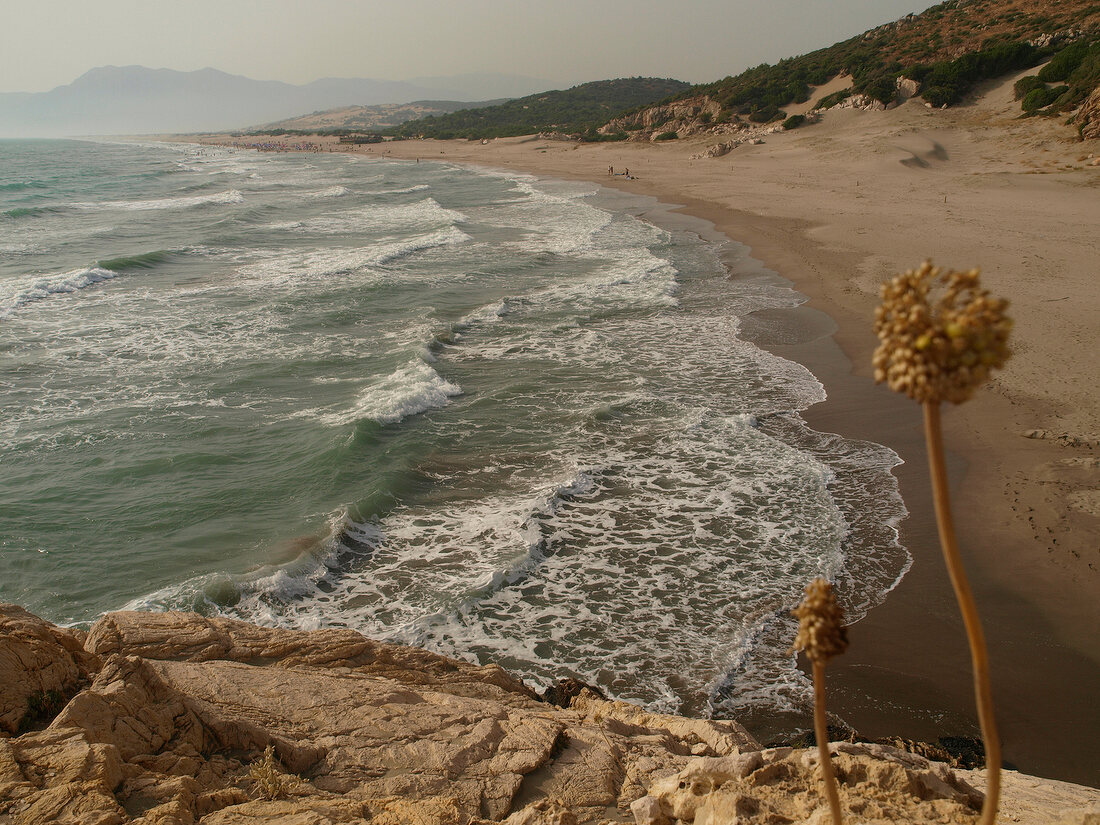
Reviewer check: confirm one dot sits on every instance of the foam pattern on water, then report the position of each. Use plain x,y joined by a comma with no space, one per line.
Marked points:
502,420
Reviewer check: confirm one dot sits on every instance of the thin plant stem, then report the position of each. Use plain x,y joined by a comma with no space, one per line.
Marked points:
983,691
821,733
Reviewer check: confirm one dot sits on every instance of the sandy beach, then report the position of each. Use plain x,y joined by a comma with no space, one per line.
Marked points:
838,207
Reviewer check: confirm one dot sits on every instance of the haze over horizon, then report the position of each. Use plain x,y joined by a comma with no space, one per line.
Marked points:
51,43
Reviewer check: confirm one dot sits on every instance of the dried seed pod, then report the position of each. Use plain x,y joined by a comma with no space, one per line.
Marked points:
931,351
821,631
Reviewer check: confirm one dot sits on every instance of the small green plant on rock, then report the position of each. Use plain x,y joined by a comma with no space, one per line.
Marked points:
42,706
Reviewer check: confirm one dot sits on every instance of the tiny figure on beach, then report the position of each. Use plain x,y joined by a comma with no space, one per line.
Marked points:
611,170
627,173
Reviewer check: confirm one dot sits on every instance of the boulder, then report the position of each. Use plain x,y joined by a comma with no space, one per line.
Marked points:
41,664
1088,117
907,87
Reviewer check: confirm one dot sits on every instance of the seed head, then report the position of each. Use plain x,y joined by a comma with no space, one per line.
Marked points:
939,351
821,631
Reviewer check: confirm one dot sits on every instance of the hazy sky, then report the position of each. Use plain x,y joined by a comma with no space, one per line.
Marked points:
47,43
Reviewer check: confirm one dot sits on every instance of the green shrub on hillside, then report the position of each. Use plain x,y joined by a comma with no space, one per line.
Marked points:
1084,78
1078,64
947,81
766,114
1027,84
1063,64
1041,98
572,111
794,121
882,87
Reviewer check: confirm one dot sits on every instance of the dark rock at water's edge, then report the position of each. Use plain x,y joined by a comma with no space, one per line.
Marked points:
564,691
963,752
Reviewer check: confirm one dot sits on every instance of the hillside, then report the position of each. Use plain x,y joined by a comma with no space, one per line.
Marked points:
577,110
938,54
367,118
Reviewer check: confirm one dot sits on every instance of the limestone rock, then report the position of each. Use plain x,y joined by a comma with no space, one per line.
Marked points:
187,720
685,117
36,658
718,737
543,812
907,87
190,637
880,785
1088,117
716,151
863,102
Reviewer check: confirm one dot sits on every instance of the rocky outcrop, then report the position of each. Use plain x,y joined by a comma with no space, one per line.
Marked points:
684,117
1088,117
179,711
881,784
906,88
751,136
174,719
40,663
863,102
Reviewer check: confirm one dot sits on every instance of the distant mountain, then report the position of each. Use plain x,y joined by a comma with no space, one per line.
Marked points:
138,100
572,111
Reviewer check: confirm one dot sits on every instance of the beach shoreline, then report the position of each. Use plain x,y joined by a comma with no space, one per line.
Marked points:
831,209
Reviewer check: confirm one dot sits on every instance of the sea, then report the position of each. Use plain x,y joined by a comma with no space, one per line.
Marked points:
497,416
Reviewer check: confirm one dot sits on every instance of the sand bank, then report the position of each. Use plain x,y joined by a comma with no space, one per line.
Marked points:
838,207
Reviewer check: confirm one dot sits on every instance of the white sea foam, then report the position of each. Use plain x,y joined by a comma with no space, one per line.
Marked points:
412,389
321,263
586,575
331,192
229,197
15,293
405,190
424,214
488,314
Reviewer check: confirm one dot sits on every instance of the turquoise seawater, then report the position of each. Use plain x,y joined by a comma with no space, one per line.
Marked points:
495,416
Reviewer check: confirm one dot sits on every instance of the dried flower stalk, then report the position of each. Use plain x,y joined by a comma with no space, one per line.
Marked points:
935,352
821,634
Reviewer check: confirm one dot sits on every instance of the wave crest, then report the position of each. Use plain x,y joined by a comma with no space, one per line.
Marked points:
38,288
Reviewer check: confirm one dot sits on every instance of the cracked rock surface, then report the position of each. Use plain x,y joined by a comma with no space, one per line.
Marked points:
176,718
